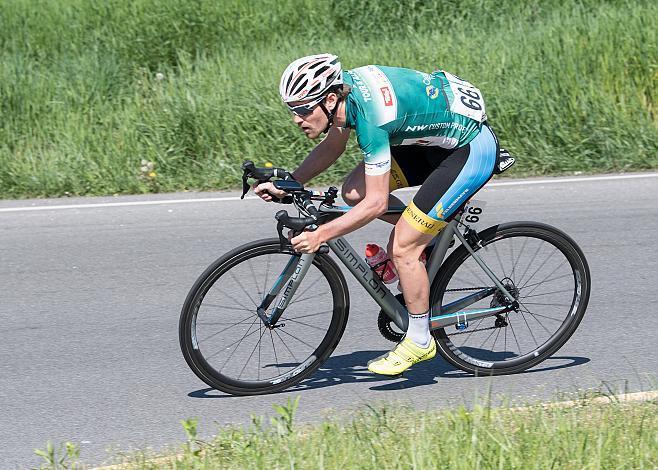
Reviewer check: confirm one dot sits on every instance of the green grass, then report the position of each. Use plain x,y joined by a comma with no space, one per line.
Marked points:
588,436
88,90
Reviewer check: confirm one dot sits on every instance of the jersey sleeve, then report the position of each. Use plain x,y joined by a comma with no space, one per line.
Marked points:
375,145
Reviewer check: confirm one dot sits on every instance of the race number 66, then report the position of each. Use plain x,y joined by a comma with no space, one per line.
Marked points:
470,98
473,212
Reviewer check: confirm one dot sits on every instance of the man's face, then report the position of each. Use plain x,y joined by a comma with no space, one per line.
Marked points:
311,124
314,122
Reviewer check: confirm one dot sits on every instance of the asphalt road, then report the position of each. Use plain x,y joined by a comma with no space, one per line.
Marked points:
90,299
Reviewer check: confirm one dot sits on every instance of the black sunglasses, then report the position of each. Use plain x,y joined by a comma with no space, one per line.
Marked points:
306,108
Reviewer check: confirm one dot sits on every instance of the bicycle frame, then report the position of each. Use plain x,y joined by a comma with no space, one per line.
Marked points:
450,314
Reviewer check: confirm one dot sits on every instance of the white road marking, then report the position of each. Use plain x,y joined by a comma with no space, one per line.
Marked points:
237,198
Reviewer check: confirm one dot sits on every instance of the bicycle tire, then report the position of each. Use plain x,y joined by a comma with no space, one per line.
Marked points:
193,353
459,356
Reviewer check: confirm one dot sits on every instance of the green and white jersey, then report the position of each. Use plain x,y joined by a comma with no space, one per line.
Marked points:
397,106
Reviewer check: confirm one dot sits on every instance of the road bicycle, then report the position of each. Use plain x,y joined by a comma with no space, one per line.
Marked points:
263,318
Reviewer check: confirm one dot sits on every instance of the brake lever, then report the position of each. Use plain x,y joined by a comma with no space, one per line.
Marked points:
245,186
284,243
247,169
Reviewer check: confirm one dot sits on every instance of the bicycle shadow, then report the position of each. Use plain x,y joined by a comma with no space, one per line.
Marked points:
414,376
352,368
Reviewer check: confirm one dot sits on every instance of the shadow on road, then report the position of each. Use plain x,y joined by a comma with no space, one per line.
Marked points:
352,368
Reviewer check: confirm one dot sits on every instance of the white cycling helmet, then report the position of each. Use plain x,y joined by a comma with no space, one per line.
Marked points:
310,77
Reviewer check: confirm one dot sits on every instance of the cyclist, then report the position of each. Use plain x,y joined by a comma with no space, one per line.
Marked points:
414,128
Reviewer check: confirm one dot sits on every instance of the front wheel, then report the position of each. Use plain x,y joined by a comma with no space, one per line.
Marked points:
543,269
224,340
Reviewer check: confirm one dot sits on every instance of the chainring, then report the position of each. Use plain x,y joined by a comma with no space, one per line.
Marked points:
386,325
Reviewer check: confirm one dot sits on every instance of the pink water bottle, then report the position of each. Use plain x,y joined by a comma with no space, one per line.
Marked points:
379,261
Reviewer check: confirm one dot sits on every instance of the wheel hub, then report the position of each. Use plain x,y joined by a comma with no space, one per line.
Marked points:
499,298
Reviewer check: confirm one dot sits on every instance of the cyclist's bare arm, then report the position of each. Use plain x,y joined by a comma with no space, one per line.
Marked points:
373,205
319,159
323,155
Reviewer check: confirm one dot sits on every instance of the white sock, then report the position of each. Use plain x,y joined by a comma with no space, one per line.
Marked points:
419,329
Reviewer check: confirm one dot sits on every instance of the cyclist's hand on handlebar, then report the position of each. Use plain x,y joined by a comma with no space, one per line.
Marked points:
266,190
307,242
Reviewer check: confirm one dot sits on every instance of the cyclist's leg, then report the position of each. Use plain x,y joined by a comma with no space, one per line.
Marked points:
455,179
354,188
444,191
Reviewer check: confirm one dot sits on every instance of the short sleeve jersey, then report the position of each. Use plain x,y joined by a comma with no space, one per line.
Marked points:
397,106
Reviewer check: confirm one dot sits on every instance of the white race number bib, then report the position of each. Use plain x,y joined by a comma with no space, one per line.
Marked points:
467,100
473,213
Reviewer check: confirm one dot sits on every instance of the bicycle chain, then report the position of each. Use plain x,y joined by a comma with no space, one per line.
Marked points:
465,289
470,331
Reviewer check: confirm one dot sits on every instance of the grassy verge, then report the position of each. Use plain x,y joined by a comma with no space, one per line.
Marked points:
586,435
169,95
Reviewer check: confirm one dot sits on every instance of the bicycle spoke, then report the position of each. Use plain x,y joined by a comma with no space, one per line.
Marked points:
311,314
246,335
286,346
267,275
475,274
530,330
505,346
253,275
302,323
530,263
259,342
550,305
242,287
241,322
548,293
251,355
549,275
542,265
543,316
509,322
307,288
308,298
230,296
525,242
547,281
276,358
533,316
502,269
228,307
493,346
293,336
511,255
485,340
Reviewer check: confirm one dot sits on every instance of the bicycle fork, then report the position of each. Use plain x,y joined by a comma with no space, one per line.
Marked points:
288,281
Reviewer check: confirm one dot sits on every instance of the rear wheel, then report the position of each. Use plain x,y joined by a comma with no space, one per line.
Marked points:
543,269
224,340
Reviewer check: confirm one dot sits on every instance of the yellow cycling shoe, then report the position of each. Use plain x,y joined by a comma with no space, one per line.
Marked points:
406,354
